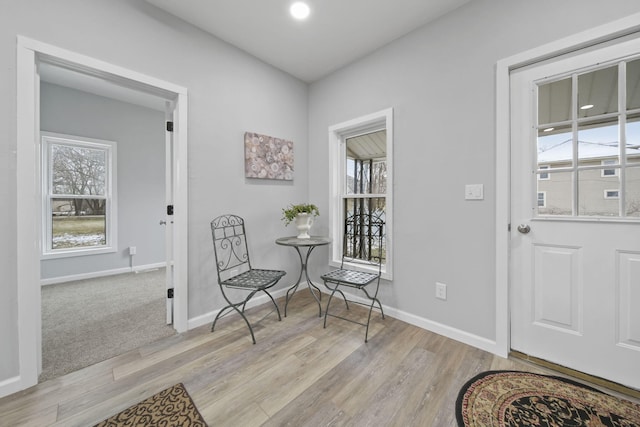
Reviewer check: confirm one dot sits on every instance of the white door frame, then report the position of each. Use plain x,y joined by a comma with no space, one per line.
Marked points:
29,53
603,33
168,227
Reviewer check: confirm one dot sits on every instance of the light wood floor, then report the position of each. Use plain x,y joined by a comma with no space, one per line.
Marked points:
297,374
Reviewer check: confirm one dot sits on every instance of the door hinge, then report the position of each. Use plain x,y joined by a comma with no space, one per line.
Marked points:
509,227
169,126
169,209
170,293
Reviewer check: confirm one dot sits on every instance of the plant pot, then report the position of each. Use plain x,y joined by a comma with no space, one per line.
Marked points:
303,224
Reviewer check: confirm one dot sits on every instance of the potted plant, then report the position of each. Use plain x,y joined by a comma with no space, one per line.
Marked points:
303,215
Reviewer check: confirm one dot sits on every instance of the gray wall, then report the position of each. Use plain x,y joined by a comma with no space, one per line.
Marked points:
140,137
440,80
230,93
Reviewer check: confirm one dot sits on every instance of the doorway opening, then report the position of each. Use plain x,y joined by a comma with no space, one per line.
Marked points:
31,54
103,256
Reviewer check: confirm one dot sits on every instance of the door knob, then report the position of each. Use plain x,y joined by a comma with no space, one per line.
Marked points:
524,228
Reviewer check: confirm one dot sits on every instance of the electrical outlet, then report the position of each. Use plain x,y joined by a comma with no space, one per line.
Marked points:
132,250
441,291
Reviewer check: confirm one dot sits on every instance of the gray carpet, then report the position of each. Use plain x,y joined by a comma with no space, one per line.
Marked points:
87,321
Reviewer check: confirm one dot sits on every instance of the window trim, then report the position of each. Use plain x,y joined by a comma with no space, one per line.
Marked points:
544,199
547,175
608,162
111,221
338,134
607,197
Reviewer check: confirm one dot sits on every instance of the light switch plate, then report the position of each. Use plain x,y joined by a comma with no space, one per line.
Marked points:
474,192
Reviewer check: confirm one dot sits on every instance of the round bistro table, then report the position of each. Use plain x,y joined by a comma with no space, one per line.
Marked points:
310,244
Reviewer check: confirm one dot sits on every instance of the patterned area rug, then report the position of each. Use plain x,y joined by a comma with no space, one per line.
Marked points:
172,407
509,398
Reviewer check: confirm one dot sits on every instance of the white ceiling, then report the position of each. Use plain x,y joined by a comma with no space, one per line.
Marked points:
336,33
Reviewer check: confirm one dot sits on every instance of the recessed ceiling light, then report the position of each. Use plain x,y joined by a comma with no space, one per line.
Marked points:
299,10
586,107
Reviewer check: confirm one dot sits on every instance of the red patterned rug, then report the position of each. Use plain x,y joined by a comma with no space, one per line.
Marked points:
514,399
172,407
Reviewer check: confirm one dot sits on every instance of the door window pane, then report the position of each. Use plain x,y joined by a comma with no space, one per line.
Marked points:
555,147
632,147
554,102
598,92
557,194
596,197
633,84
598,140
632,193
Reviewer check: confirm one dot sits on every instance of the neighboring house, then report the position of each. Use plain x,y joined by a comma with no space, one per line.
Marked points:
598,185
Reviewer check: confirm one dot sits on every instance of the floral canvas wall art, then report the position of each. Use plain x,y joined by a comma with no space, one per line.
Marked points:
267,157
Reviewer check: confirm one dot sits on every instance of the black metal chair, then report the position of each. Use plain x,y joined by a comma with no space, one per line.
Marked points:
363,246
234,267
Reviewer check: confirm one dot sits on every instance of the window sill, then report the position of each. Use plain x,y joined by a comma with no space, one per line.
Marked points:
387,275
77,253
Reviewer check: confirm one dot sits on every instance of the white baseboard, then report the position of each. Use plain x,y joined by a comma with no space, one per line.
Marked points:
429,325
104,273
208,317
10,386
436,327
444,330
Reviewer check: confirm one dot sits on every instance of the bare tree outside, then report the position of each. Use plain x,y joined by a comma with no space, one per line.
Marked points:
80,171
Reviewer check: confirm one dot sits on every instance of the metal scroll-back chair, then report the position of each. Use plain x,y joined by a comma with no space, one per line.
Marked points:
363,246
234,267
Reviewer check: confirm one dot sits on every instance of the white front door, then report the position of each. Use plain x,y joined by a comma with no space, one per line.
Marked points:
575,212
